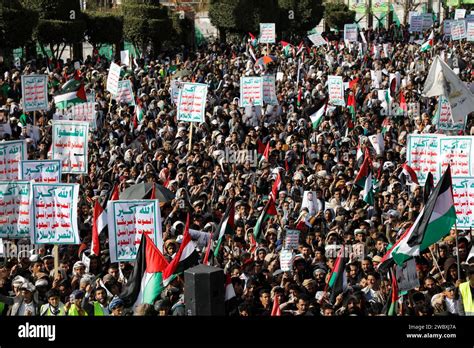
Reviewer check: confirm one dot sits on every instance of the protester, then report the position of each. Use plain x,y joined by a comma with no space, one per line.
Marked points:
280,142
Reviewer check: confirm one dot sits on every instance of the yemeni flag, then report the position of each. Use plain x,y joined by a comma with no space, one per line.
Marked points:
286,48
318,117
410,173
115,193
276,312
351,105
226,226
186,257
67,99
276,185
435,222
99,224
267,212
229,288
392,310
353,84
266,153
338,280
146,282
428,45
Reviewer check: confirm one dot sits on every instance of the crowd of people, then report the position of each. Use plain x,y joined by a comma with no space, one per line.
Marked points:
125,150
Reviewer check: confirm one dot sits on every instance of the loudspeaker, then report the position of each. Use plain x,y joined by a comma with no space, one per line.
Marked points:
204,290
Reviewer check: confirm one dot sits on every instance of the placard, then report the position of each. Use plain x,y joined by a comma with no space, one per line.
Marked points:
460,13
125,93
54,213
336,90
251,91
286,257
113,78
416,24
447,26
446,123
427,20
45,171
127,221
351,32
175,87
422,156
456,150
34,91
317,39
11,153
292,239
14,209
125,57
463,194
192,102
85,112
267,33
458,30
407,277
470,31
269,91
70,144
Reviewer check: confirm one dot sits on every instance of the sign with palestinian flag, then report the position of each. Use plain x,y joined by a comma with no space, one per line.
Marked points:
432,224
128,220
34,91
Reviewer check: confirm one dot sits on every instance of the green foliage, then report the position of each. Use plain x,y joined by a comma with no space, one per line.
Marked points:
337,14
18,24
53,9
103,28
222,14
58,32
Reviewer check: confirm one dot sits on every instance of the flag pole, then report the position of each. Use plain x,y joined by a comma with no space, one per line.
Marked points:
437,265
457,251
190,136
56,259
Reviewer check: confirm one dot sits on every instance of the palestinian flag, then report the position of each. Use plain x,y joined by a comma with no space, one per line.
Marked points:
226,226
318,117
300,96
402,102
252,53
253,40
146,282
68,99
364,180
409,172
300,48
266,153
99,223
435,222
428,45
428,188
338,280
385,125
205,261
267,212
392,310
229,288
286,48
115,193
138,113
187,256
387,260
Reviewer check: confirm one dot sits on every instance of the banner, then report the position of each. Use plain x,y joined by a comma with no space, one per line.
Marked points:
14,209
336,90
70,143
127,221
54,214
34,91
416,24
113,79
85,112
251,91
192,102
269,91
11,153
422,156
470,31
125,93
350,32
45,171
292,239
379,6
458,30
267,33
358,6
463,193
456,150
317,39
445,117
175,88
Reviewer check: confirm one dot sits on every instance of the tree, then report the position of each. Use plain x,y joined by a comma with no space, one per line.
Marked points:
60,23
222,16
18,23
336,14
145,23
103,28
299,16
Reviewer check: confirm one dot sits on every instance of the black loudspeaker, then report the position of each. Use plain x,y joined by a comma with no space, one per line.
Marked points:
204,290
